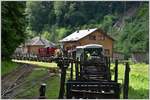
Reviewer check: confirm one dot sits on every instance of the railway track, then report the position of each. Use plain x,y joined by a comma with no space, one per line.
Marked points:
13,84
36,81
13,80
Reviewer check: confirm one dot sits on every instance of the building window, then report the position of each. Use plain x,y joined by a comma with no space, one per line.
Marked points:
107,51
92,37
102,37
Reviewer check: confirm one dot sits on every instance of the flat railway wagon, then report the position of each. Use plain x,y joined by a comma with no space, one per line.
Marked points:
93,77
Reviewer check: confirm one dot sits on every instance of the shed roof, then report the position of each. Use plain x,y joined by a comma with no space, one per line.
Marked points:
39,41
77,35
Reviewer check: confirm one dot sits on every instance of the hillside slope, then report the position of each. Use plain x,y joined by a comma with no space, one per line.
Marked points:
126,22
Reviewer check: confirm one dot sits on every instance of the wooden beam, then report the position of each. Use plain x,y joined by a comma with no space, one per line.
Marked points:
126,81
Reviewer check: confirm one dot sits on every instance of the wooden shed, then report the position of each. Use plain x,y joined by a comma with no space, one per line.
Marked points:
89,36
33,45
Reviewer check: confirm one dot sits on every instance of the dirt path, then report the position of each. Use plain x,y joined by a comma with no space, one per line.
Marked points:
14,79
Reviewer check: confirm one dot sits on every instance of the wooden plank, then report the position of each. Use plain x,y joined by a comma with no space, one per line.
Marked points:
94,90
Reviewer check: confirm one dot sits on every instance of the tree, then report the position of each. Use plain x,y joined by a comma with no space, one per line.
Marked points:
134,36
38,15
13,26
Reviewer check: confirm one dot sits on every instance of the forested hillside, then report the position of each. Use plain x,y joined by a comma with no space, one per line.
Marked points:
126,22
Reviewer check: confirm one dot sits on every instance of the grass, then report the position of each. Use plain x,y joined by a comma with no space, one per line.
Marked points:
53,87
138,80
138,84
7,67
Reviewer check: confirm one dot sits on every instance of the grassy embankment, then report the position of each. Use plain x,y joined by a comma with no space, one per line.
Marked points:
7,67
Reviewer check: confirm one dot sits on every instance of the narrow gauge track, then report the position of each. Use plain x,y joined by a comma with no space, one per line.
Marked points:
14,79
36,81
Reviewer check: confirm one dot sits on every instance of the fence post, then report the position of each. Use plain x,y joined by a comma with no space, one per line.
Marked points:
126,81
63,76
77,69
116,70
109,62
42,91
81,70
71,73
68,93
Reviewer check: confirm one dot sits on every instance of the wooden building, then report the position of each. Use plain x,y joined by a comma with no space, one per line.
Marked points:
32,45
89,36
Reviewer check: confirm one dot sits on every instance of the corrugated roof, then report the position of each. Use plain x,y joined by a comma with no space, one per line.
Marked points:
77,35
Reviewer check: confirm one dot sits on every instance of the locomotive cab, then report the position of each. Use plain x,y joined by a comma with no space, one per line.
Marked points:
90,53
93,61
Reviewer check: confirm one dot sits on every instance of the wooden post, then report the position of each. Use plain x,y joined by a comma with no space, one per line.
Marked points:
42,91
116,70
68,93
106,61
71,72
80,70
109,63
63,76
77,69
126,81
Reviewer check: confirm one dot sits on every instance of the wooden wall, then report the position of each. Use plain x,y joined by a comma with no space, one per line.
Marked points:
94,38
34,48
